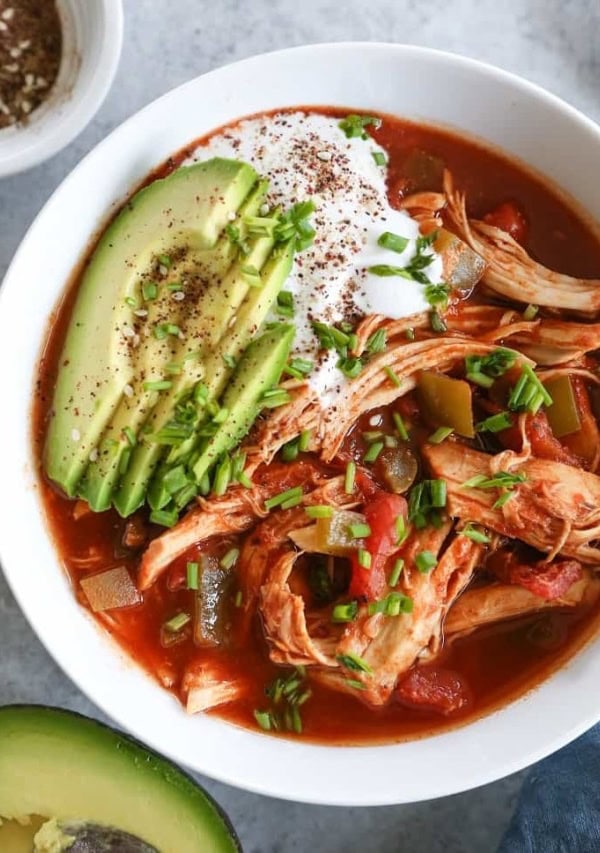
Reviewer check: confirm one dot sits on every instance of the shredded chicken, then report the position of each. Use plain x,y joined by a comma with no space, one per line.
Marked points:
511,272
498,602
205,687
556,509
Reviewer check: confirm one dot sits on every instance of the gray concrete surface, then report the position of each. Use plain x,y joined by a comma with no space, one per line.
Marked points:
552,42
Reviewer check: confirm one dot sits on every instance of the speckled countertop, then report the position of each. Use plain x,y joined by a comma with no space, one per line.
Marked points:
552,42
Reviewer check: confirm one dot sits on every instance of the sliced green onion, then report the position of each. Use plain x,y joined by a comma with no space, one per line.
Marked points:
229,559
263,718
364,558
437,322
377,342
392,376
239,598
319,511
352,661
437,493
396,571
292,502
476,535
130,436
175,479
359,530
158,385
282,497
330,337
304,440
373,451
222,476
400,426
350,366
478,378
393,242
176,623
349,478
425,561
192,575
495,423
502,500
401,530
354,125
164,517
149,290
290,451
380,158
165,260
530,312
356,685
345,612
441,434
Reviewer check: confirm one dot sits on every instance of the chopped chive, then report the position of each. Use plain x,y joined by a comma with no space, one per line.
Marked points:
437,322
380,158
364,558
301,365
478,378
274,398
425,561
393,604
130,301
437,493
359,530
476,535
329,337
175,286
352,341
352,661
401,530
282,497
392,376
263,718
349,478
388,270
130,436
292,502
441,434
350,366
437,295
159,385
495,423
354,125
165,261
400,427
502,480
164,517
356,685
319,511
530,312
304,440
373,451
192,575
244,480
345,612
222,476
177,622
149,290
290,451
396,571
503,499
474,482
229,559
377,342
200,393
220,416
239,598
163,330
393,242
251,275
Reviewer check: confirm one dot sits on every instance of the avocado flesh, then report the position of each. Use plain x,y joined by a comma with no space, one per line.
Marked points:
259,369
202,321
216,373
189,209
60,765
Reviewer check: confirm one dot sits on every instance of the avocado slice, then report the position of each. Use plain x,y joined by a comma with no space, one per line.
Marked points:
202,322
93,784
216,372
187,211
259,369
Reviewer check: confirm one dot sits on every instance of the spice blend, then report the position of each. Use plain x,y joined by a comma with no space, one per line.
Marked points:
30,54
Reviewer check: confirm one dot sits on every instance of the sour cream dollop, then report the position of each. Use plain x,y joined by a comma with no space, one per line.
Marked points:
307,156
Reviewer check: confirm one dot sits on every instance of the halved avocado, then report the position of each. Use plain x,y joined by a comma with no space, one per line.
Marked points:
95,785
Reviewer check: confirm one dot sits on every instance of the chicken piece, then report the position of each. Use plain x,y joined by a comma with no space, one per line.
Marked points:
284,620
550,341
556,509
511,272
205,687
390,645
498,602
234,512
373,386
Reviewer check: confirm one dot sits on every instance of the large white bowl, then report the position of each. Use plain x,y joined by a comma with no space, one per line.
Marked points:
408,81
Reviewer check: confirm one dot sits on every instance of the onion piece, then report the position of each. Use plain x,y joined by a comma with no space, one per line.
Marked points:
110,589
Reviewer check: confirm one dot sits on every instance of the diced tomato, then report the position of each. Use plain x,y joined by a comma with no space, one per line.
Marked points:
548,580
381,514
434,689
544,444
509,218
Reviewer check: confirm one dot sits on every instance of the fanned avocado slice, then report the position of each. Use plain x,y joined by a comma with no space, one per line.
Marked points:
96,786
201,318
186,211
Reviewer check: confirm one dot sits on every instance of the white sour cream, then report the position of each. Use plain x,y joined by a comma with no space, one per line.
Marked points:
307,156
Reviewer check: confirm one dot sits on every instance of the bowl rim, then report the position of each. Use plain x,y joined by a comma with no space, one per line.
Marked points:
285,787
55,132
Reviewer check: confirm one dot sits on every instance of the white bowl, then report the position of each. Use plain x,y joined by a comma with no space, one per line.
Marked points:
92,38
409,81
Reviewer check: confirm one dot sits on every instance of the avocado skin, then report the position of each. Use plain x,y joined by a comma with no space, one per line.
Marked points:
189,208
74,745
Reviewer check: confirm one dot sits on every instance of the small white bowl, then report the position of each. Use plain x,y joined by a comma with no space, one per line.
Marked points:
476,99
92,32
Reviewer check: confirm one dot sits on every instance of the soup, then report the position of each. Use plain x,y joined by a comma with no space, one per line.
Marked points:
382,527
